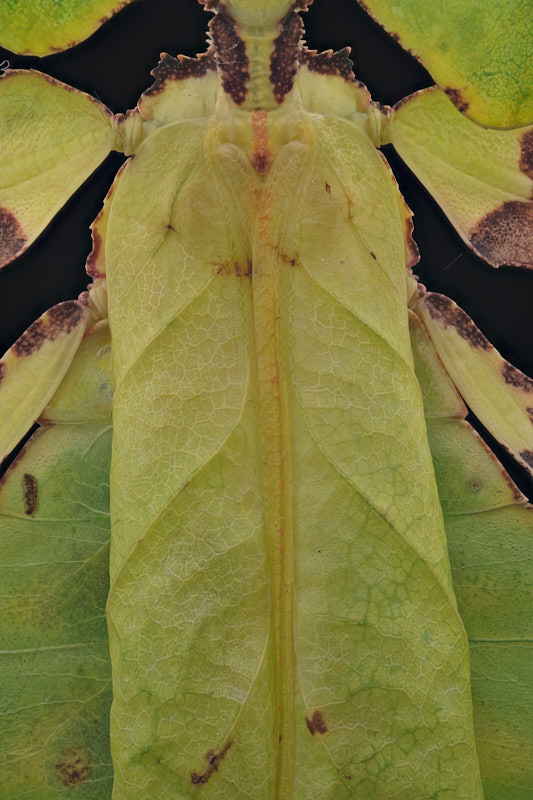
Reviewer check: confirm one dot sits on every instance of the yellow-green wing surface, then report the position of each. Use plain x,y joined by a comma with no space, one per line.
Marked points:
54,545
482,179
53,137
41,27
490,539
281,615
478,52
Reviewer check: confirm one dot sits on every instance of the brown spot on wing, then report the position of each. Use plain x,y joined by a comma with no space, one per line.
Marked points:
513,377
445,311
316,723
284,58
178,69
230,55
526,154
30,493
505,235
457,98
213,763
329,63
62,318
73,767
12,239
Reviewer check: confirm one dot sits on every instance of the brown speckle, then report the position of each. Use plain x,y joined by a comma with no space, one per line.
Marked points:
30,493
505,235
213,763
284,58
328,188
2,371
527,456
448,313
316,724
12,239
329,63
457,98
526,155
235,268
513,377
373,255
230,55
73,767
178,69
62,318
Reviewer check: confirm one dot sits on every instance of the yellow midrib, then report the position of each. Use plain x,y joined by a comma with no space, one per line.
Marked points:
274,436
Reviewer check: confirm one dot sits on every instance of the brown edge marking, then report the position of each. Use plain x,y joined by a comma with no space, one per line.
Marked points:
528,409
30,493
3,370
12,238
445,311
284,57
213,763
505,234
73,766
513,377
230,55
179,69
94,256
316,723
526,154
527,456
328,62
60,319
457,98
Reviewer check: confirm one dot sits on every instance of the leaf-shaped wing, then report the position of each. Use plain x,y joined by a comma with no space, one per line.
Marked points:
490,540
482,179
478,52
54,532
41,27
53,137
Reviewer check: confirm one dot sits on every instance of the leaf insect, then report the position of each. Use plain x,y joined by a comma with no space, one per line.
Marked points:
282,615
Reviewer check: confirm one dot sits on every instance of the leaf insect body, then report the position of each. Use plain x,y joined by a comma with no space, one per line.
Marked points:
310,645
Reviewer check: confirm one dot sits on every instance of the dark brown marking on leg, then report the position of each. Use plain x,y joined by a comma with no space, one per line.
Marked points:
329,63
62,318
230,55
513,377
30,493
505,235
178,69
73,767
12,239
457,98
213,763
446,312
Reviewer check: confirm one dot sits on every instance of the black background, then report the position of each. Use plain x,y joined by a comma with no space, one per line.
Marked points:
114,65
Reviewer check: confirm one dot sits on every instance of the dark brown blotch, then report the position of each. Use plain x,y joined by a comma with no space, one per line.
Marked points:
284,58
527,456
329,62
213,762
178,69
513,377
30,493
316,723
62,318
457,98
230,55
526,154
73,767
445,311
12,239
505,235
